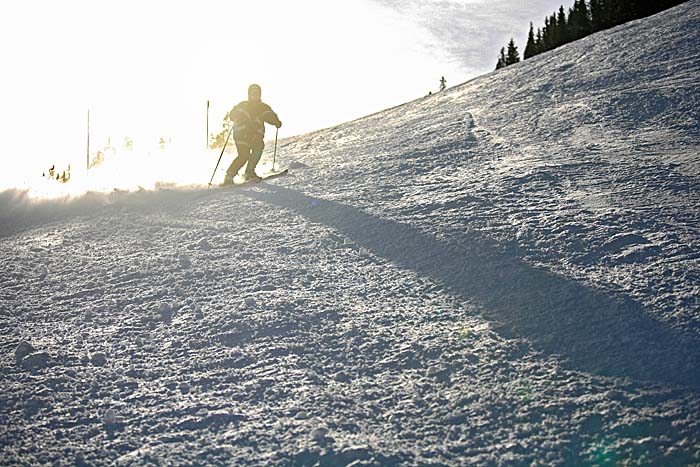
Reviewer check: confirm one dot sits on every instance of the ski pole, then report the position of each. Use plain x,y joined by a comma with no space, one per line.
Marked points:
221,155
274,154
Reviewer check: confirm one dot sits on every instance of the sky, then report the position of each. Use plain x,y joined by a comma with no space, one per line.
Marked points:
146,70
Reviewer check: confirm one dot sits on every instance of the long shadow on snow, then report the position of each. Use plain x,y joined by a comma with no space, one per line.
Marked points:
596,333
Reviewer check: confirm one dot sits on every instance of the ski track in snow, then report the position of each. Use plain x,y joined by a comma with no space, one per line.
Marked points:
503,273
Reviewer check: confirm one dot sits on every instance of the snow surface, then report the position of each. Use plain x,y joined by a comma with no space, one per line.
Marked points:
504,273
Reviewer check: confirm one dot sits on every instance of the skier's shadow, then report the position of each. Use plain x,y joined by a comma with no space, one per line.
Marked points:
606,335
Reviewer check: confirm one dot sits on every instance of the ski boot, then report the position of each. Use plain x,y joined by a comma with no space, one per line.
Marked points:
252,177
228,180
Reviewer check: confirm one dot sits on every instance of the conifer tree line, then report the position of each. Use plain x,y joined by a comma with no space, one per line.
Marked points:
583,18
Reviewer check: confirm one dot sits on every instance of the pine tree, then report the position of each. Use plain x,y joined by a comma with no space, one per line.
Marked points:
597,18
574,22
611,13
531,47
539,42
644,8
562,26
501,59
584,18
586,26
546,36
650,8
632,10
579,20
554,39
513,56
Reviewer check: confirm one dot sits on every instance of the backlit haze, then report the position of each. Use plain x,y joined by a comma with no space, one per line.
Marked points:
145,70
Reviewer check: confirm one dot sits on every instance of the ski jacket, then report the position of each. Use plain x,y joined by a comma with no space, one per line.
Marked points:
249,118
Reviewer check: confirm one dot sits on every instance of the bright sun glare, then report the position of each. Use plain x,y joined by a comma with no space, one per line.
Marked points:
145,71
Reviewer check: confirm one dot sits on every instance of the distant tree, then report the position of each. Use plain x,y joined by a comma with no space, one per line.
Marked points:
584,18
554,26
531,46
615,12
605,14
512,56
574,22
655,7
579,20
96,160
562,27
631,9
219,140
642,8
501,59
586,25
546,36
597,15
539,41
646,8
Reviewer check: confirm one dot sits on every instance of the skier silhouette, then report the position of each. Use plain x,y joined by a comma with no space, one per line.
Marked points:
249,118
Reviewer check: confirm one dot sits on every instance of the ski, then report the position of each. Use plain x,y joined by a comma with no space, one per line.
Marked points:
274,174
264,177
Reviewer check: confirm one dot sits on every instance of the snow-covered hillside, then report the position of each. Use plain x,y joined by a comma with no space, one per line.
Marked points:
505,273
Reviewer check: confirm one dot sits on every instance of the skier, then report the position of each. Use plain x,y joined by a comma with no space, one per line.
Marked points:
249,118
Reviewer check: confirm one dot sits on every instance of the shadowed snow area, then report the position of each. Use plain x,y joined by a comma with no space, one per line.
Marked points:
504,273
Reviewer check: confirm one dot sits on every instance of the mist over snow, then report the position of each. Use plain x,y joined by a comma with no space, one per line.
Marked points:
503,273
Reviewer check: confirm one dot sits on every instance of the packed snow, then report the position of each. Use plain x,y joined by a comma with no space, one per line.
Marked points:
503,273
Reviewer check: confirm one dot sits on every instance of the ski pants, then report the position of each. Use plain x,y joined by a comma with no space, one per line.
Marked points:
247,153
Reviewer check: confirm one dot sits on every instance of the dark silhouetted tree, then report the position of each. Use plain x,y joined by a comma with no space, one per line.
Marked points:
554,38
562,27
512,56
501,59
615,12
530,47
585,17
574,22
597,15
546,36
586,25
579,20
539,41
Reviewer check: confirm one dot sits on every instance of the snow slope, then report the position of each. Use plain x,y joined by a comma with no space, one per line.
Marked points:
504,273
